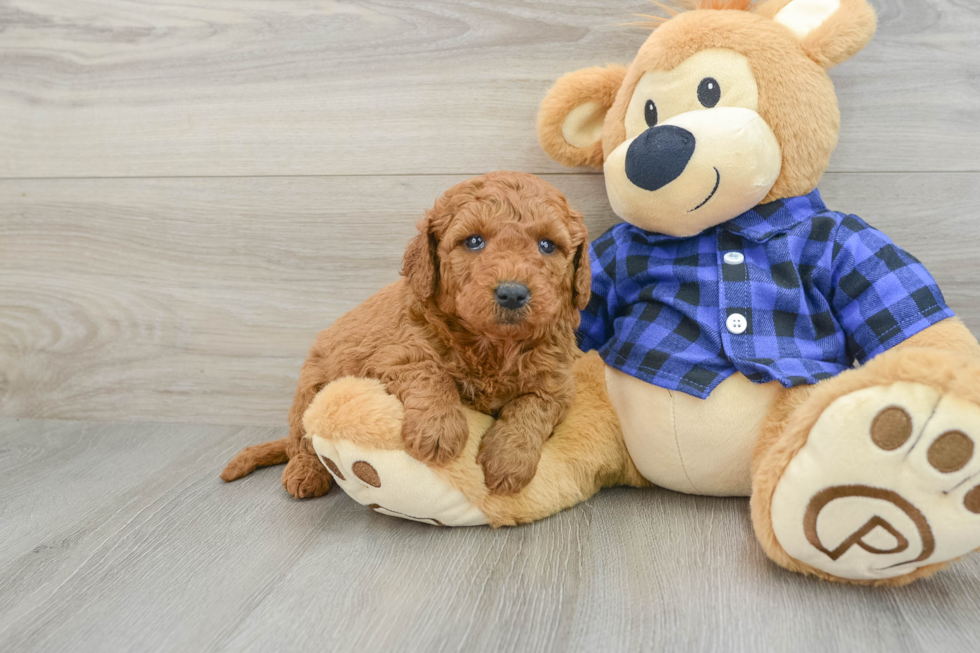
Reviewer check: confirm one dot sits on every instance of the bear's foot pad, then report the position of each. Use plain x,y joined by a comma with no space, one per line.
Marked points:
393,483
887,482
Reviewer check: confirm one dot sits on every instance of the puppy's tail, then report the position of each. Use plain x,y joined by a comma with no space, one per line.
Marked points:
261,455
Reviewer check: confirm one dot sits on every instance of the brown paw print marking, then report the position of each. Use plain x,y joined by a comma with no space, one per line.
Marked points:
824,497
891,428
972,500
950,452
366,473
332,466
857,537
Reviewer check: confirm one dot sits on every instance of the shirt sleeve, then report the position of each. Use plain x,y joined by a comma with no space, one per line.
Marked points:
596,328
881,294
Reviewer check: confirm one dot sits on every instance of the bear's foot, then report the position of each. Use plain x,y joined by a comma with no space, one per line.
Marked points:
887,483
393,483
355,429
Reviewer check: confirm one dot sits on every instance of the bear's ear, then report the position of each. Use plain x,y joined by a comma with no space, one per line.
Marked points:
571,116
830,31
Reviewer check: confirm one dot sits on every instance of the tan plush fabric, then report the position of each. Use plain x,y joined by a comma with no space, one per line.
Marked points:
585,453
596,86
730,173
923,359
803,114
697,446
795,96
771,60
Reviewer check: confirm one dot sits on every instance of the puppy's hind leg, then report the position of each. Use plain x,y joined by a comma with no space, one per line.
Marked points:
305,477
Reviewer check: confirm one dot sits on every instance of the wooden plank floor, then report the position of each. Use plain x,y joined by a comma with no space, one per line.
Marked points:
189,191
121,537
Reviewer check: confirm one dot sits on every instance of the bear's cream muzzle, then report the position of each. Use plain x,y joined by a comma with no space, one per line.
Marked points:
693,171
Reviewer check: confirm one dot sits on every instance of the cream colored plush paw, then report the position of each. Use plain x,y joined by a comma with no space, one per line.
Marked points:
393,483
355,429
887,482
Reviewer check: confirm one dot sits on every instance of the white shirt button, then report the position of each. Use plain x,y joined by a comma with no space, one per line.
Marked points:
736,323
734,258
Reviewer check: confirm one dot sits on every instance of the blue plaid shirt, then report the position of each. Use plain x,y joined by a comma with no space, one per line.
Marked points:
816,290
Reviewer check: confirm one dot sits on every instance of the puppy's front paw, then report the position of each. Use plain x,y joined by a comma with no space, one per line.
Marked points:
508,462
435,437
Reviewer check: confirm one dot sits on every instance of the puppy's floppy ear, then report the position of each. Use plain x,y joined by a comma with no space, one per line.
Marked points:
830,31
572,115
581,268
420,265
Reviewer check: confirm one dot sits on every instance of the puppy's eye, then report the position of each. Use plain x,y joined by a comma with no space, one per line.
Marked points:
546,246
650,113
474,243
709,92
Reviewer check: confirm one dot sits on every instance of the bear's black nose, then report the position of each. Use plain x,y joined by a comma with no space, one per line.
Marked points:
658,156
512,295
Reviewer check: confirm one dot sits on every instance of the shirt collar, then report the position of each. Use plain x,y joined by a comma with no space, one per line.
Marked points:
758,224
766,220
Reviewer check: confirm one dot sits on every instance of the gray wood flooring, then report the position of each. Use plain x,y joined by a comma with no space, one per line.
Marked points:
121,537
189,191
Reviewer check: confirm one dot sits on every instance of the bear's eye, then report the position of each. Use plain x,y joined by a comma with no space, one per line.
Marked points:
474,243
650,113
709,92
546,246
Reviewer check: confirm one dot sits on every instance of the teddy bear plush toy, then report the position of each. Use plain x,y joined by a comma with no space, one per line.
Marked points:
743,339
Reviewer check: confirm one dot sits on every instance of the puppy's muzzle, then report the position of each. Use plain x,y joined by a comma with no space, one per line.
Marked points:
511,295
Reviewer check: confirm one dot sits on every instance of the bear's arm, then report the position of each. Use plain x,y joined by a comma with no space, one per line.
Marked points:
596,328
880,294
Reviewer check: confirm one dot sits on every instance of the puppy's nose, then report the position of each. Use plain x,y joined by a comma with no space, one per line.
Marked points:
512,295
658,156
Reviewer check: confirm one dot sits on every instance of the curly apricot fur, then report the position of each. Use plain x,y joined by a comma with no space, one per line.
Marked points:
437,338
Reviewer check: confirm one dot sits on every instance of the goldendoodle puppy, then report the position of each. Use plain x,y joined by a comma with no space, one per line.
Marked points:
485,315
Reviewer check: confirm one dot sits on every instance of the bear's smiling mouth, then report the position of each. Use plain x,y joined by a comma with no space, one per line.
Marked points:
713,191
